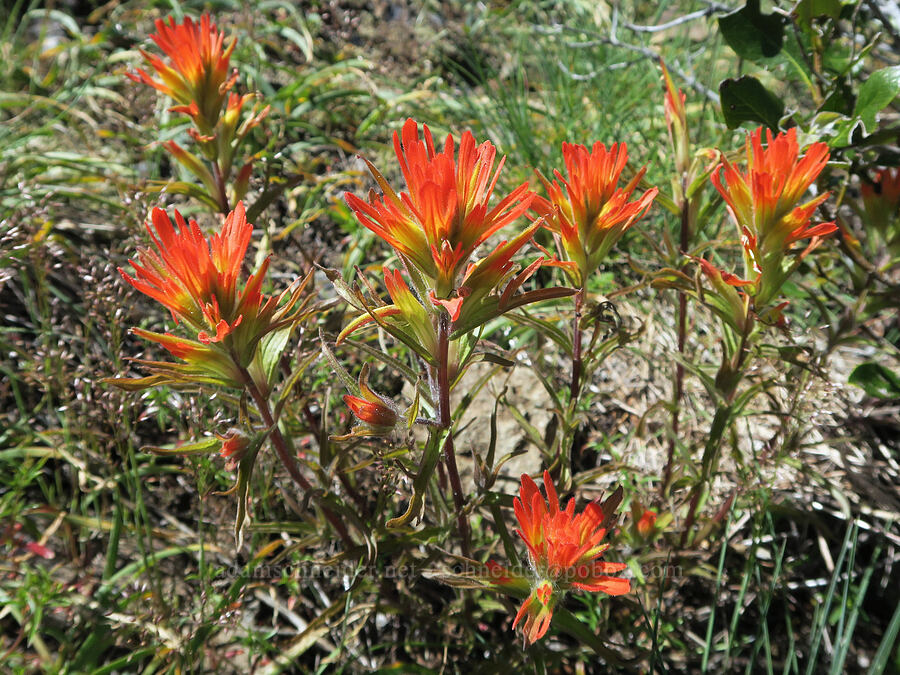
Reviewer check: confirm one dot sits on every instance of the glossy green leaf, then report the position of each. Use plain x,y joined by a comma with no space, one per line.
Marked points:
875,94
747,100
751,34
876,380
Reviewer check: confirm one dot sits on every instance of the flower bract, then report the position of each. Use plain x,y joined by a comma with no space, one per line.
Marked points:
764,202
446,212
588,209
564,551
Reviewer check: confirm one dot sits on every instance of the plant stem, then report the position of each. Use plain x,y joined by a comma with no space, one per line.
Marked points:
316,431
710,453
446,423
575,387
284,454
678,387
224,206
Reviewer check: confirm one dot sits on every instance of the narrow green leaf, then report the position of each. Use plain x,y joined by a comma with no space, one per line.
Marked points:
203,446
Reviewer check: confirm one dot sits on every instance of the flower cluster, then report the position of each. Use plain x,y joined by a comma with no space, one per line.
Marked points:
588,211
445,214
764,204
197,78
435,228
564,551
196,279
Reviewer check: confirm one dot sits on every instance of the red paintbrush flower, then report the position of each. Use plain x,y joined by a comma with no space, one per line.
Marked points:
564,550
196,279
445,214
763,201
377,414
197,74
589,212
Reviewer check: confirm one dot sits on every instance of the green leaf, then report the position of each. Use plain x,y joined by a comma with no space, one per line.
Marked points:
875,94
746,100
242,487
876,380
138,383
271,349
807,10
201,447
751,34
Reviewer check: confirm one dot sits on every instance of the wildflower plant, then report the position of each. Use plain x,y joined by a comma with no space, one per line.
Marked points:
229,328
587,212
766,204
435,228
463,259
197,76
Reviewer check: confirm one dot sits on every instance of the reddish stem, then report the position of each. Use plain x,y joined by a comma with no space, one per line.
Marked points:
575,388
224,206
281,449
447,423
678,388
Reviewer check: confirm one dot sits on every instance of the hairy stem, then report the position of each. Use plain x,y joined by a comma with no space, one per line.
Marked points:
678,386
446,423
222,197
282,450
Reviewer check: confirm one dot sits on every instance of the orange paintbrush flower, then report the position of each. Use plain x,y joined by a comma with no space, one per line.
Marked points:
445,214
197,74
378,414
564,550
196,279
588,211
764,203
676,121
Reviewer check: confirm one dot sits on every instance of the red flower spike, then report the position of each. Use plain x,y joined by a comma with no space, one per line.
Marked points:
193,278
197,74
764,204
676,121
445,215
196,279
563,548
378,415
588,211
